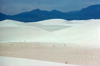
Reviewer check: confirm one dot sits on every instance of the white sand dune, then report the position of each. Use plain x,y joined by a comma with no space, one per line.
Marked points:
61,22
15,31
21,34
10,61
11,23
51,28
58,24
51,24
85,34
54,24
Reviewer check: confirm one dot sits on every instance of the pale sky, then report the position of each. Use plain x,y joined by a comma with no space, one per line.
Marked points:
11,7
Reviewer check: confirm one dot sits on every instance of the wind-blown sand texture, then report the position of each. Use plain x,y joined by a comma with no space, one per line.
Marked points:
52,52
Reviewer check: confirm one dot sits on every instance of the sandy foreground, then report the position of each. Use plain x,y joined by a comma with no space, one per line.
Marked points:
12,61
52,52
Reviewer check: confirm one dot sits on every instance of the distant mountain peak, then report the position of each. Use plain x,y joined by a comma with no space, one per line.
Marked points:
91,9
36,10
55,10
95,5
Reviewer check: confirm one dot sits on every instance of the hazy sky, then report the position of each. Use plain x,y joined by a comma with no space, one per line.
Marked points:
11,7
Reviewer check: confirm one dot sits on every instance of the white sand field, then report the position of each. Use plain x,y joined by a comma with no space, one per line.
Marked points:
74,42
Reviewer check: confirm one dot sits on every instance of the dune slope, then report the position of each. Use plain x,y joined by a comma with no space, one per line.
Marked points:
86,34
9,61
13,31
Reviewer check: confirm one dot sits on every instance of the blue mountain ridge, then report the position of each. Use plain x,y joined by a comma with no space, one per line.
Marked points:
91,12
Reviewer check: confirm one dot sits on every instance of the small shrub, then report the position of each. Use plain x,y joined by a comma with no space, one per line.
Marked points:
11,44
65,62
54,45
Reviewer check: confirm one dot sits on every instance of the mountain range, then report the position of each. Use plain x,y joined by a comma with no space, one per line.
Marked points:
91,12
